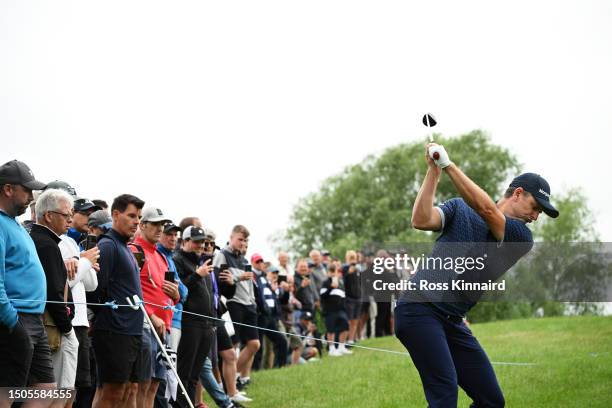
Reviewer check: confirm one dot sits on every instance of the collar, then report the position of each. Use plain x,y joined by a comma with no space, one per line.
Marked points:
114,234
191,256
43,229
233,251
139,240
164,250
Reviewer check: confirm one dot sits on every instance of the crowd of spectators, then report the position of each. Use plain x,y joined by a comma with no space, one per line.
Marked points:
67,272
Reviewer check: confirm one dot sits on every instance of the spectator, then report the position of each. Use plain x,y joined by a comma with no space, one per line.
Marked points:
157,290
269,313
83,208
283,265
304,290
25,357
311,346
242,306
326,258
222,344
317,271
53,216
99,222
334,310
101,203
351,276
118,332
82,278
197,332
166,245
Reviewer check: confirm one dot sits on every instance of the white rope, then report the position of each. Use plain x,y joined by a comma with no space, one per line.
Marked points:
401,353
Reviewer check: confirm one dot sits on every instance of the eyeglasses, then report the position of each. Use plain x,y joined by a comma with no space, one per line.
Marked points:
209,243
66,216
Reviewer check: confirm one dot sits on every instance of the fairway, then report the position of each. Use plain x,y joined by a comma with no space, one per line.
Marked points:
573,357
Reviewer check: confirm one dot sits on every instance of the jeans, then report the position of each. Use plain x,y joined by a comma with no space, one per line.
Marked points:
212,387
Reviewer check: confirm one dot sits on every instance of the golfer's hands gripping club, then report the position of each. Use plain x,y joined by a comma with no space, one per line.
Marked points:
437,153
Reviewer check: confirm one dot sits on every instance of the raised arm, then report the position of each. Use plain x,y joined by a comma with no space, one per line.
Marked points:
424,216
479,200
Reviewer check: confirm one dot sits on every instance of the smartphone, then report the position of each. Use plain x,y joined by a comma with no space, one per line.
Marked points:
247,268
169,276
205,258
281,278
223,267
91,241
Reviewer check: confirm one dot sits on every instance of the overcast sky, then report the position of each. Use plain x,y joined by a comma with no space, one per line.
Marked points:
232,111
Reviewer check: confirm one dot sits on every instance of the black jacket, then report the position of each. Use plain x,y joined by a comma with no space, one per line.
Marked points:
306,295
200,298
46,242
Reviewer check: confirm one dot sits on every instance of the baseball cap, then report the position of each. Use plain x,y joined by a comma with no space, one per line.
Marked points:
100,219
16,172
539,189
210,234
256,258
273,269
83,204
306,315
62,185
325,252
170,226
194,233
153,214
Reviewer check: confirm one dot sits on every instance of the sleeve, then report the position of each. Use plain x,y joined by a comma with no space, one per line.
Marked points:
447,211
226,289
325,288
183,291
51,260
8,314
106,261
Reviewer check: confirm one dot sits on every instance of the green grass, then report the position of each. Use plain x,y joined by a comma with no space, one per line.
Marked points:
573,357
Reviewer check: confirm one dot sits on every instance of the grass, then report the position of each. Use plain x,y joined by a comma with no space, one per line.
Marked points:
573,357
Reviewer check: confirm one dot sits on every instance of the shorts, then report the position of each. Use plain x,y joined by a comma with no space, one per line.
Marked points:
245,315
25,356
353,308
158,368
223,339
118,356
336,322
83,373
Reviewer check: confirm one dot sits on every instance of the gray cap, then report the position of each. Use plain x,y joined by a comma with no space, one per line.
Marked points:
154,214
16,172
100,219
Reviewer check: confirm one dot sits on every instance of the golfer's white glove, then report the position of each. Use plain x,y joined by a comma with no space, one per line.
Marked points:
443,159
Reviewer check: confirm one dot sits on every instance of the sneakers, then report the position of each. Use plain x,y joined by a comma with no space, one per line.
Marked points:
242,383
343,350
334,352
236,405
238,397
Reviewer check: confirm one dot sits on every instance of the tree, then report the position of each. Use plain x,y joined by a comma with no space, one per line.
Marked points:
372,201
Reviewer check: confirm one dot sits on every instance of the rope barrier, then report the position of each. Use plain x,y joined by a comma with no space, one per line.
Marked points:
136,306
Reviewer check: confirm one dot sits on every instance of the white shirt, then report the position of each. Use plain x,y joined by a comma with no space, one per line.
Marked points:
86,279
288,271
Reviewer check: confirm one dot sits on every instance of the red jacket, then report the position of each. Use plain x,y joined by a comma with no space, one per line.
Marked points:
152,276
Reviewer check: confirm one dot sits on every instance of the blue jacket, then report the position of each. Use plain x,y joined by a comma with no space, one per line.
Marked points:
176,318
21,273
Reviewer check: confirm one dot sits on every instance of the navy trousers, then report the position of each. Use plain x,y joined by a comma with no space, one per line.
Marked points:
447,355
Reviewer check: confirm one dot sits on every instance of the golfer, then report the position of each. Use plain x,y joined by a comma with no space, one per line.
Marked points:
429,323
